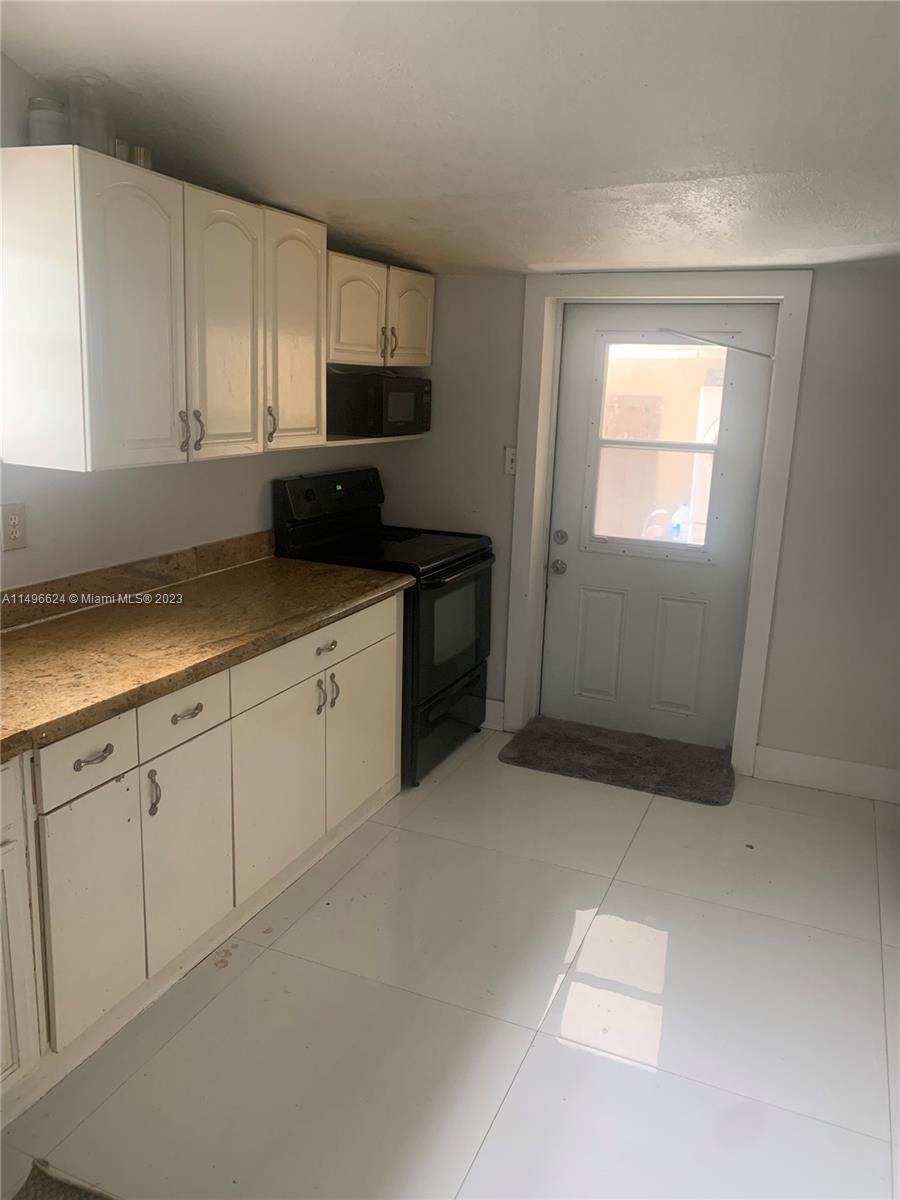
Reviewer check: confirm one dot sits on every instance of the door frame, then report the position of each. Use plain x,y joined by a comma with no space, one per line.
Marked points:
545,300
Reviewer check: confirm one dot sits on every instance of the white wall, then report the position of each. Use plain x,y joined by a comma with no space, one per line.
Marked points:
78,522
16,88
831,686
454,479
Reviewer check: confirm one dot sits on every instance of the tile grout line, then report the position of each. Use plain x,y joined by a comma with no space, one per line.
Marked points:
232,980
534,1038
715,1087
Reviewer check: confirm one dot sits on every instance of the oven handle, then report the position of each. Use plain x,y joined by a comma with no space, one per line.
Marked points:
445,580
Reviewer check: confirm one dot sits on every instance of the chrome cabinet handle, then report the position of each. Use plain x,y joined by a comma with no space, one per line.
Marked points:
157,793
320,684
189,715
270,436
395,341
336,690
332,645
99,757
383,340
187,430
198,417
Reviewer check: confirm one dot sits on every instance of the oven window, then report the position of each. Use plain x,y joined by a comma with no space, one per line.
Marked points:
401,407
455,622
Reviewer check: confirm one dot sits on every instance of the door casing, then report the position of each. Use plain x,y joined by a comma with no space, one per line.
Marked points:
545,298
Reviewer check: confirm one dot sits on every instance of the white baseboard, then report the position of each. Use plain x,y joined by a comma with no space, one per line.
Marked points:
828,774
493,717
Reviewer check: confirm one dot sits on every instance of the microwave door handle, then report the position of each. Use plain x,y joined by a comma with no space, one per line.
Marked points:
445,580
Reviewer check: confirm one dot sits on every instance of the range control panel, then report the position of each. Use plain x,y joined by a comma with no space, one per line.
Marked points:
306,497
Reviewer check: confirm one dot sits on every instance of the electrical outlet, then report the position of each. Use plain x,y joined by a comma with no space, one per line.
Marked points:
509,460
14,529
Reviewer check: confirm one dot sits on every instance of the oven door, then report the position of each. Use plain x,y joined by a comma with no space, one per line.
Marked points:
406,407
454,626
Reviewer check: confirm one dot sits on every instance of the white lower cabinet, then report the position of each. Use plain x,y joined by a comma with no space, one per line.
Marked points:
361,734
93,905
18,1005
186,827
278,753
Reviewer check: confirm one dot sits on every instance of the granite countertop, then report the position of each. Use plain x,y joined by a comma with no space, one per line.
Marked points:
64,675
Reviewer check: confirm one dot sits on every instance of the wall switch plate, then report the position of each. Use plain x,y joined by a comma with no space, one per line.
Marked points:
509,460
14,529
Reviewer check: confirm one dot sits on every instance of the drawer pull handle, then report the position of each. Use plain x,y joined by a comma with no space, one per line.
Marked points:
332,645
99,757
157,793
321,686
336,690
189,715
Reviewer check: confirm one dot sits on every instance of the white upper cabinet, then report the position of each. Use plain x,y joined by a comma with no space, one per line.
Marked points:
378,315
357,310
223,247
296,296
93,311
410,318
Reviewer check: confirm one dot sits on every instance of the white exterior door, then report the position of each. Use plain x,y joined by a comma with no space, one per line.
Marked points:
410,318
93,905
658,451
357,307
224,310
132,259
278,751
186,826
362,741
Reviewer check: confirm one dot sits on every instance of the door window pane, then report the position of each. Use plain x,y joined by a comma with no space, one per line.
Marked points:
655,495
663,393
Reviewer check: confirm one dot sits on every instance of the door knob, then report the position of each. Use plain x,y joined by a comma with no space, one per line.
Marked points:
558,567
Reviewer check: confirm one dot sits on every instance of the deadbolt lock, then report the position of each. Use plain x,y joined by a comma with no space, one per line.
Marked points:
560,537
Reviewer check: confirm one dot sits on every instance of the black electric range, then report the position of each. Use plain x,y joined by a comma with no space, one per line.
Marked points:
336,518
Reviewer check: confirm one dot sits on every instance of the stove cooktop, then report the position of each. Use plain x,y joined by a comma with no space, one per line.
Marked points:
396,548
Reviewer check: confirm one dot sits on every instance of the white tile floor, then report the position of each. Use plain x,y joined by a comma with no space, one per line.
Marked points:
513,984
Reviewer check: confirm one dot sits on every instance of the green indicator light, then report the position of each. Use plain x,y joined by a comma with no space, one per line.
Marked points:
338,487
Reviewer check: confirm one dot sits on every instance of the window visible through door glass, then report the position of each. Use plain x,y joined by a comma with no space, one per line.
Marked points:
652,394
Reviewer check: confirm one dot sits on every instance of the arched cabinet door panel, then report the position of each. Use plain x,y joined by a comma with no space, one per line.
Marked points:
296,296
224,312
132,262
410,318
357,310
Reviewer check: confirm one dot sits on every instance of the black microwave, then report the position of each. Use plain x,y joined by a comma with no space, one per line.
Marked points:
377,404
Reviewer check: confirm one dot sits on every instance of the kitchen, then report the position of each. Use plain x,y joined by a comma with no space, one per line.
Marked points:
243,662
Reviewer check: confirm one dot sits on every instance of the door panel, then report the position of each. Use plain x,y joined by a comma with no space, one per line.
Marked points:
188,875
94,905
296,298
132,256
362,731
224,277
357,303
658,450
279,783
410,316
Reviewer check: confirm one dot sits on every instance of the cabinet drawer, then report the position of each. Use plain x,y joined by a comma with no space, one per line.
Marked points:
78,763
172,719
277,670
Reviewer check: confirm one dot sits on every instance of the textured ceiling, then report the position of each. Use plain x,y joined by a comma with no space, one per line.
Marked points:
536,136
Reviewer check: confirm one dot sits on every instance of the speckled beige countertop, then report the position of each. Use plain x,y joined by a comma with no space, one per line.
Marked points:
67,674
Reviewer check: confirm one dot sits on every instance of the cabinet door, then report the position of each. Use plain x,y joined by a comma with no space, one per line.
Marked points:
296,300
93,905
132,260
278,751
186,825
410,318
19,1015
223,241
362,734
357,301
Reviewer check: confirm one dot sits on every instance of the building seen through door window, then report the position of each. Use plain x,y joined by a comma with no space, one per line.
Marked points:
659,428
